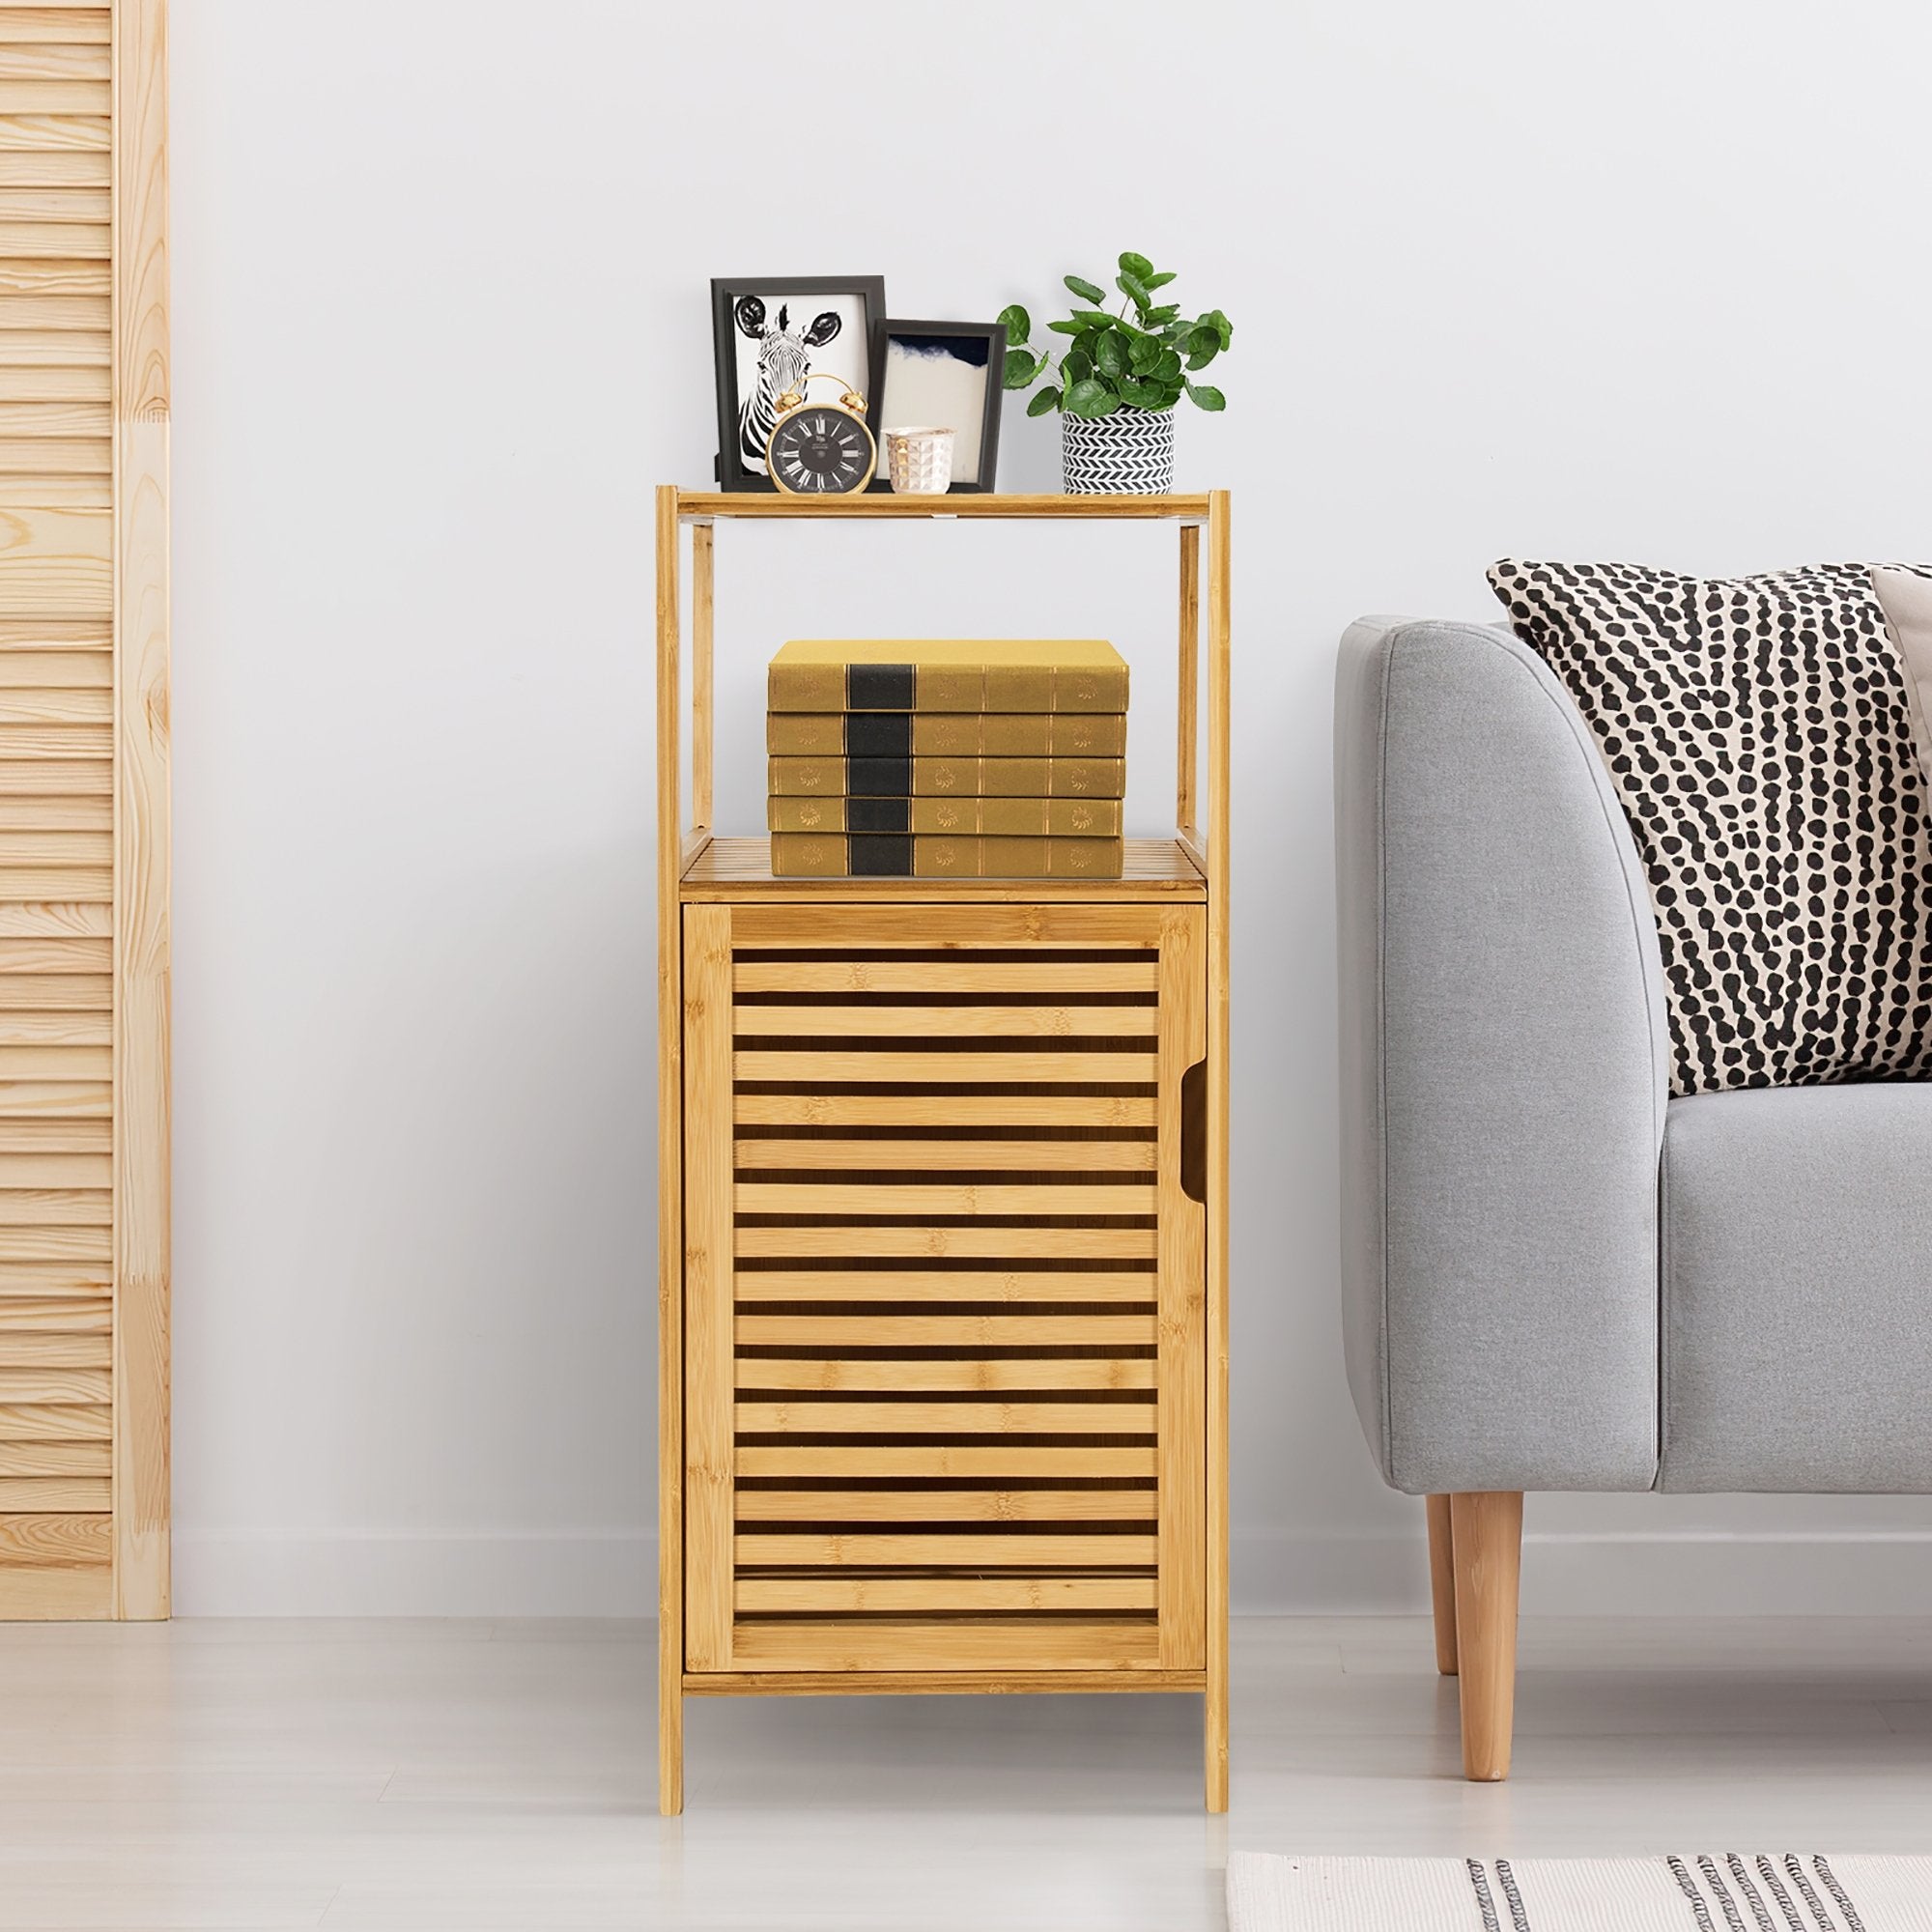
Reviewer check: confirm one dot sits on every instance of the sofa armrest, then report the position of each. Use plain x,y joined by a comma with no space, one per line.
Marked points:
1504,1073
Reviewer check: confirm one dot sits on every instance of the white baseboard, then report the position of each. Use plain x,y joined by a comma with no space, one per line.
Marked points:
411,1574
614,1573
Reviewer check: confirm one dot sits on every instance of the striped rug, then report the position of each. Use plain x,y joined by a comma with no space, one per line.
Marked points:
1716,1891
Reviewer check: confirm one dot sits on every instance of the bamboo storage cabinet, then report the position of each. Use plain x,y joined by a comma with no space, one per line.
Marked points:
943,1227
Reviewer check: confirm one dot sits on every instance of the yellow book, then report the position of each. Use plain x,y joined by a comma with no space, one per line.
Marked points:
950,734
947,674
947,817
835,854
944,777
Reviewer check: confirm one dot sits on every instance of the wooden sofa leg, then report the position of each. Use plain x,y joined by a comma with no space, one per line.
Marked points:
1486,1537
1442,1582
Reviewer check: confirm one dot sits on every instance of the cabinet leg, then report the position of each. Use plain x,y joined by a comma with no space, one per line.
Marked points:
671,1735
1442,1584
1486,1530
1215,1740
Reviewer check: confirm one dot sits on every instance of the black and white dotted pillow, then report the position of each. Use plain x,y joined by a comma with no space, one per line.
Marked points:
1760,733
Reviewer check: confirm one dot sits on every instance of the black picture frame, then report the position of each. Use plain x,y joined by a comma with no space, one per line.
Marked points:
993,334
865,293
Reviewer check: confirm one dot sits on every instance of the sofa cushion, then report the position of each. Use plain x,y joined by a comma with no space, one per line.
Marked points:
1797,1266
1760,734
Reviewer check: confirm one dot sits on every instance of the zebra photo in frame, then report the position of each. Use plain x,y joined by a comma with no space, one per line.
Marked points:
771,333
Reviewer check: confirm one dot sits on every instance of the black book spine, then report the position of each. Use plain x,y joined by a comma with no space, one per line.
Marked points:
876,856
878,814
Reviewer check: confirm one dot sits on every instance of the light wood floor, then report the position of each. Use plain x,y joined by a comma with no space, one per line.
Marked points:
422,1776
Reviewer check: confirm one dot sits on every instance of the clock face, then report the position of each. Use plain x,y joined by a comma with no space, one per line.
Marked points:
821,452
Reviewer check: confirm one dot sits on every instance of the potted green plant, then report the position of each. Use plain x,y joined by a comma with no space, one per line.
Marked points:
1118,379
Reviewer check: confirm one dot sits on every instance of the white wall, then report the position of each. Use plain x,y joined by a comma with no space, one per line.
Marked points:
1607,281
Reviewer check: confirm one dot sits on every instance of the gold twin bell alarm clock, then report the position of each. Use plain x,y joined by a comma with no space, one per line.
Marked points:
821,449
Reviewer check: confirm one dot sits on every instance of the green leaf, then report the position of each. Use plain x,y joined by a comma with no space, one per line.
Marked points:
1207,398
1170,394
1095,318
1135,290
1085,291
1045,401
1159,281
1137,266
1065,325
1140,395
1022,366
1076,366
1222,327
1111,354
1155,317
1168,368
1200,358
1092,398
1017,323
1143,353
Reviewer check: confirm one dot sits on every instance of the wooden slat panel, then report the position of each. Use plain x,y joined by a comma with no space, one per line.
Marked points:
65,744
944,1331
998,1461
55,1422
832,1644
31,775
75,25
56,992
55,1099
42,58
942,1110
54,1496
929,927
990,1022
993,1681
69,328
89,1348
36,96
55,1542
913,1156
764,1372
34,490
25,957
38,1384
946,1506
940,1417
34,129
57,206
56,671
55,1171
52,1244
19,417
57,1315
919,1197
24,177
37,884
62,240
709,1448
55,1206
962,1242
46,1060
933,1067
56,1029
53,455
61,812
1021,1548
941,1594
64,706
1131,972
937,1284
45,1456
67,380
38,1280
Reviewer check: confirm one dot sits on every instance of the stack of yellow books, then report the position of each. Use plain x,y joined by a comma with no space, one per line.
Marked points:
960,758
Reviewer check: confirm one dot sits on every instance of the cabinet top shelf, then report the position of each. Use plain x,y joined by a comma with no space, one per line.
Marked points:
704,506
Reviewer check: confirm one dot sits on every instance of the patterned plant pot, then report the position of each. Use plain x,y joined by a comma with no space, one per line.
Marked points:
1130,454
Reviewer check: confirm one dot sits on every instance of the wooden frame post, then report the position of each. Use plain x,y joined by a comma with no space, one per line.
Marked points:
670,1170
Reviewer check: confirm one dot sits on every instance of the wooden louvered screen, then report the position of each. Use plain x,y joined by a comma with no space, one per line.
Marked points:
83,812
944,1356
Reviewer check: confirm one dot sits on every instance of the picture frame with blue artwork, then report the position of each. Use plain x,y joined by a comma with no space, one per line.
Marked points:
942,375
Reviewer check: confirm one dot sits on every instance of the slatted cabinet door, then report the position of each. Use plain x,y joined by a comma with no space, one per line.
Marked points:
944,1290
83,812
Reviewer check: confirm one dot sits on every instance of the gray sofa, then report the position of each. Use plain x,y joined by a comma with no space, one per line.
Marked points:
1556,1276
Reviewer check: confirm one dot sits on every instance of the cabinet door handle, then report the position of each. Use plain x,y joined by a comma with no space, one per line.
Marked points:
1194,1132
